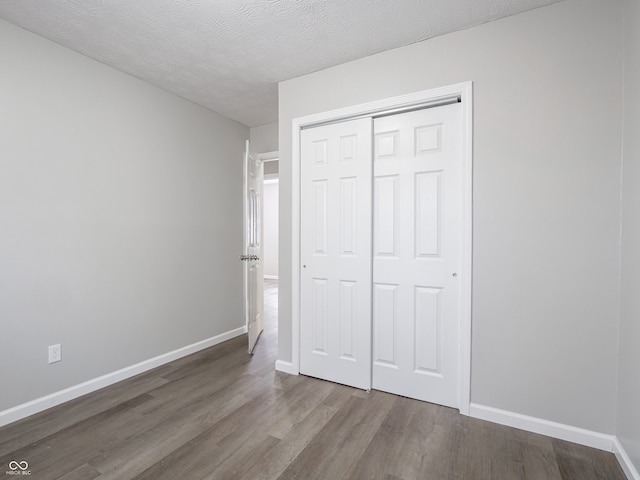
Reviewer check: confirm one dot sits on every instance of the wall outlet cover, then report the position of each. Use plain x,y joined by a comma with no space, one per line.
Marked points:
55,353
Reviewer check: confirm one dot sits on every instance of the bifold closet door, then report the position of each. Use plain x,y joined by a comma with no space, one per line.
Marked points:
417,219
335,252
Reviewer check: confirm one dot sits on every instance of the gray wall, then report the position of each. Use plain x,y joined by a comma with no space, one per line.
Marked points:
547,151
120,214
629,380
264,138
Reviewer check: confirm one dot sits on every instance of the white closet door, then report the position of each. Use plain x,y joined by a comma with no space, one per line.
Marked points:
335,250
417,213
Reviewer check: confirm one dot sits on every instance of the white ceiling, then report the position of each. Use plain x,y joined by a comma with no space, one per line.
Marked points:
229,55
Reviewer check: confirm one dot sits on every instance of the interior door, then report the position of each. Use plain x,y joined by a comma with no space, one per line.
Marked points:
417,213
252,256
335,251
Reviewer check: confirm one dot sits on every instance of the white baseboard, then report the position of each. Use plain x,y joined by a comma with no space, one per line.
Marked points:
286,367
24,410
271,277
569,433
625,462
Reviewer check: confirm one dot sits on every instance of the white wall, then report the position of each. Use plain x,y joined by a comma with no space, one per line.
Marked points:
270,227
629,380
120,213
264,138
547,123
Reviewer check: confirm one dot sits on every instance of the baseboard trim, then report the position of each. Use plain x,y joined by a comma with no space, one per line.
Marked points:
561,431
271,277
34,406
625,461
286,367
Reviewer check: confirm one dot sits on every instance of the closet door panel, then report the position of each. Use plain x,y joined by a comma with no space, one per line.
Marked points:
417,249
335,243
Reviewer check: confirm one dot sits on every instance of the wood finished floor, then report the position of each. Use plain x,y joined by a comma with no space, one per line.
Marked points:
221,414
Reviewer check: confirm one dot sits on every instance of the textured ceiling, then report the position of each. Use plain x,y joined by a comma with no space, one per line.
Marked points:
228,55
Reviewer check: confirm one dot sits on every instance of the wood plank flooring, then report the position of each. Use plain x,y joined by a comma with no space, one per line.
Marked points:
222,414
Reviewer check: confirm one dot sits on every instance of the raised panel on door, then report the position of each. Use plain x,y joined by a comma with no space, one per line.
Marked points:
335,252
417,252
385,323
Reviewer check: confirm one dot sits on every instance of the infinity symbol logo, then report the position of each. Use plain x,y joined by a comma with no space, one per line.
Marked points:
13,465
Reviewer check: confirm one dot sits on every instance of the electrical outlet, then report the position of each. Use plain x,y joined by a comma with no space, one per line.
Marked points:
55,353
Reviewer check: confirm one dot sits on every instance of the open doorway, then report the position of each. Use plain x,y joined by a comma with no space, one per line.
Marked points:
270,223
270,239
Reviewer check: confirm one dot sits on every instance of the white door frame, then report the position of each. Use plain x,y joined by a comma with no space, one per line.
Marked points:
269,156
462,90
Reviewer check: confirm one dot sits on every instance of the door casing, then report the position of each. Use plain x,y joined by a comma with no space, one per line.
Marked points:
432,97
